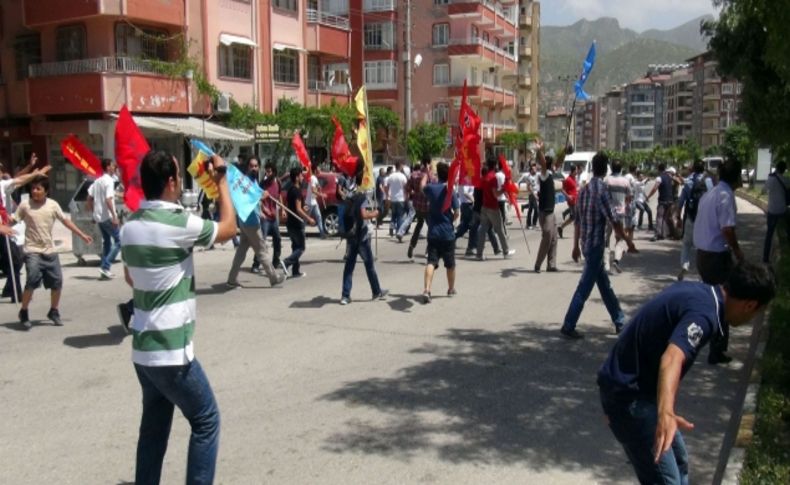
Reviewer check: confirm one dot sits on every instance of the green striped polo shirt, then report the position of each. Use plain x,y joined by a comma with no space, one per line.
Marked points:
156,246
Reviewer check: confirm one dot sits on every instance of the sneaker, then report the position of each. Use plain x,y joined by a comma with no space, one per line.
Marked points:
571,334
452,292
54,315
299,275
285,269
232,285
410,253
537,269
426,297
618,328
255,270
345,300
682,274
382,295
552,270
24,319
469,253
124,315
510,253
277,280
719,358
104,274
497,252
399,238
480,257
616,266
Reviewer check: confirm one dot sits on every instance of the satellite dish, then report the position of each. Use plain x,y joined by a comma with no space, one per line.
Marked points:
417,60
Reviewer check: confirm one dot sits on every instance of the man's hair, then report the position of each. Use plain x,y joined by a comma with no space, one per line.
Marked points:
617,166
155,170
599,164
752,281
632,168
662,166
389,169
442,170
271,166
491,163
573,168
294,173
698,166
41,180
549,161
105,163
398,164
781,167
425,160
730,172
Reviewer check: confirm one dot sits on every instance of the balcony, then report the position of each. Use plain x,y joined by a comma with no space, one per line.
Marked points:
523,112
525,51
524,81
319,93
327,34
711,113
42,12
105,84
379,6
525,20
319,86
711,95
482,12
477,47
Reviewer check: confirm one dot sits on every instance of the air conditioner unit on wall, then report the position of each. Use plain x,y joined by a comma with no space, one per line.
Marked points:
223,103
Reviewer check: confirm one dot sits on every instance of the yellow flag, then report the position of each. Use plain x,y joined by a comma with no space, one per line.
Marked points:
197,169
363,137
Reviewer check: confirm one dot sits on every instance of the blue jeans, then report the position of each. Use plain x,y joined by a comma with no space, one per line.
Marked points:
296,233
315,213
593,274
111,243
466,220
396,215
187,387
272,228
361,248
633,423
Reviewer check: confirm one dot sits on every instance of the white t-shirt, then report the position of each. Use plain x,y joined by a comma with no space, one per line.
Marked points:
102,189
310,199
500,184
396,183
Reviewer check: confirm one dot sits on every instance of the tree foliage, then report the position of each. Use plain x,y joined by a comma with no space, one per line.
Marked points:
426,140
740,145
749,40
516,140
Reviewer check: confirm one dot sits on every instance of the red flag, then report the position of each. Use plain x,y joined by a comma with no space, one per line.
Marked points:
80,156
468,142
301,154
130,148
452,175
510,187
341,155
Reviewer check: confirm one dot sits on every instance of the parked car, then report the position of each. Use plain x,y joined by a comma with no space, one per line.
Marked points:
583,161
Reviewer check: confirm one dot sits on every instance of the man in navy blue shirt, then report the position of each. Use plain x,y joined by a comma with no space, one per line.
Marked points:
441,234
640,378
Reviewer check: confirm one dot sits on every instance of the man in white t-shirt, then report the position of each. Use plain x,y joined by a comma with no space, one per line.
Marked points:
622,195
394,191
502,198
105,215
311,200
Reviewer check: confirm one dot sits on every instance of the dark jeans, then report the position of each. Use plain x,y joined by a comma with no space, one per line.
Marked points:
187,387
633,423
11,264
272,228
361,248
593,274
532,211
420,217
714,269
466,219
474,227
644,208
297,248
111,243
398,209
773,221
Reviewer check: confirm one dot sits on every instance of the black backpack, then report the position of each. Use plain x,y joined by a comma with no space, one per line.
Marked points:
351,222
697,191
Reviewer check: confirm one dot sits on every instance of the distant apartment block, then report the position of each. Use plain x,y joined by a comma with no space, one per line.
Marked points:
716,101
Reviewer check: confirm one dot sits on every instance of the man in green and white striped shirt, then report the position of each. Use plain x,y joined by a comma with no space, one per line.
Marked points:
157,244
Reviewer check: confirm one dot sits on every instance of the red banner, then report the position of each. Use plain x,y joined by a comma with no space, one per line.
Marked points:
455,170
510,187
130,148
80,156
301,154
341,155
468,142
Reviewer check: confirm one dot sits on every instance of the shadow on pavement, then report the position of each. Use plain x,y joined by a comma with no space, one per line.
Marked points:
316,302
15,325
114,336
215,289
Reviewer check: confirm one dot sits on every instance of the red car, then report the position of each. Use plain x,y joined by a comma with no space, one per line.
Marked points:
328,202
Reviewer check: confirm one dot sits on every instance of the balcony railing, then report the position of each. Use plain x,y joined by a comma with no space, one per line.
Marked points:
379,5
318,17
492,6
480,41
322,86
126,65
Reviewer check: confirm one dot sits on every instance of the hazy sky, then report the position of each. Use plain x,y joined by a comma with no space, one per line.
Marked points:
638,15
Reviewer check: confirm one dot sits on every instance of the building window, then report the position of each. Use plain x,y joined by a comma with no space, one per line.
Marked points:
235,61
289,5
473,76
27,51
475,33
336,75
441,74
286,66
380,36
381,73
146,42
441,113
441,2
441,34
378,5
70,43
726,88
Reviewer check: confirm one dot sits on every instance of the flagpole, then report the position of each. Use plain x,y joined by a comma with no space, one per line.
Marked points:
12,268
570,121
286,209
524,232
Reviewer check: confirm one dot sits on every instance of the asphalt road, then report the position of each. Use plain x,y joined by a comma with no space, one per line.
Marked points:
474,389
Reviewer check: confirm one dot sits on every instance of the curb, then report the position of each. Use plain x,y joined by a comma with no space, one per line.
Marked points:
741,430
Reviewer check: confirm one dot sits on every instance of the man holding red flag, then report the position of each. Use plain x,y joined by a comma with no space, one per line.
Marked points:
490,217
130,148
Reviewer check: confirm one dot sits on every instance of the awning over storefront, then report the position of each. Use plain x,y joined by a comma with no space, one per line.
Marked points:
191,127
228,39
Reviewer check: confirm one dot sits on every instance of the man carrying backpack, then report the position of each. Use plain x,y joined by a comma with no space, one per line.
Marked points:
357,236
778,187
694,187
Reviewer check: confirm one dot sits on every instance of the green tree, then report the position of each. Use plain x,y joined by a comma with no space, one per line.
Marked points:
516,140
426,140
740,145
749,40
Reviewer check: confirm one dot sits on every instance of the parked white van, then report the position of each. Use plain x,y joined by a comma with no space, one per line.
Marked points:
583,162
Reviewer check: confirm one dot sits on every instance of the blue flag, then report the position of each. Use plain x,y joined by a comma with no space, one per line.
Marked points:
589,62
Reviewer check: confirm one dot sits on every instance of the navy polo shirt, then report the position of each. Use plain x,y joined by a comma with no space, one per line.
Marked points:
686,314
440,224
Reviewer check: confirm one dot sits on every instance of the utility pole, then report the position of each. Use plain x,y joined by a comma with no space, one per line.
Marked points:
407,64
